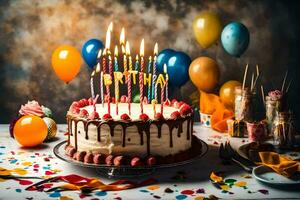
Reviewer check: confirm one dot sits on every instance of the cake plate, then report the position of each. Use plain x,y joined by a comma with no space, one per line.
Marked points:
127,171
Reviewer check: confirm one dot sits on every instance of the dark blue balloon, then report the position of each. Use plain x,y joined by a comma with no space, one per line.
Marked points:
235,38
163,58
178,68
90,50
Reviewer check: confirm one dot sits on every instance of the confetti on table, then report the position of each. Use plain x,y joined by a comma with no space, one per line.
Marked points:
153,187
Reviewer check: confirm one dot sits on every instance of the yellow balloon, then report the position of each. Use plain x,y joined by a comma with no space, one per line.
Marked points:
207,28
227,92
66,62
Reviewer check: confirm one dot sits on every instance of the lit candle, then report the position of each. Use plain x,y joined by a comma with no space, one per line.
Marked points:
116,80
162,94
128,75
141,74
98,70
149,85
107,50
92,84
167,79
154,87
129,56
136,68
116,58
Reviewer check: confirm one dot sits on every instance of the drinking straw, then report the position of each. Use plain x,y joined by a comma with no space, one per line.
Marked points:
283,84
245,76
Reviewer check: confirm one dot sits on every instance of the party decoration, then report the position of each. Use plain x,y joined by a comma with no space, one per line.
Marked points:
90,51
212,105
227,93
235,38
66,62
52,128
207,28
163,58
204,73
178,69
30,131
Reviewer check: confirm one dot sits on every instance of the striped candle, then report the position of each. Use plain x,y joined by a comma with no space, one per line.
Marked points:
162,99
154,76
136,68
141,76
149,84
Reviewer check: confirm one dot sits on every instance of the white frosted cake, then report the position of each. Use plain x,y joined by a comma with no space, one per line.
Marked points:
101,138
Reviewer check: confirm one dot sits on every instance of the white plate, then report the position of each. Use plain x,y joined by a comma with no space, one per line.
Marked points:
267,175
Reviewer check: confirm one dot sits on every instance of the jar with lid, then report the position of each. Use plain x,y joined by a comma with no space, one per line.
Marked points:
283,130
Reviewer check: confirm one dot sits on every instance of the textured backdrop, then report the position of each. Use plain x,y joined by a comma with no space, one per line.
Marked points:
31,30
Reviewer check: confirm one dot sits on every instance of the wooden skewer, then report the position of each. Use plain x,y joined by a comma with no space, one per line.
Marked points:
252,82
257,76
245,77
289,85
283,84
263,94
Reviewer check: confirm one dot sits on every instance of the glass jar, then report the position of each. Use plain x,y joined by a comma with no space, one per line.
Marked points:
271,111
283,130
243,109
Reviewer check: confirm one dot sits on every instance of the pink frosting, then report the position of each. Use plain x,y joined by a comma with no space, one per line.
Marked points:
32,108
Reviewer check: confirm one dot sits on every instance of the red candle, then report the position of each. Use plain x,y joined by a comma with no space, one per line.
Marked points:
141,76
162,94
128,77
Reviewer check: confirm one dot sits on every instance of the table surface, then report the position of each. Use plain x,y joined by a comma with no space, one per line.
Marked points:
187,182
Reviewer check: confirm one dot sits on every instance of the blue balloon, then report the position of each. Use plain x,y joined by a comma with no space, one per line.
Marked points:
235,38
163,58
178,68
90,50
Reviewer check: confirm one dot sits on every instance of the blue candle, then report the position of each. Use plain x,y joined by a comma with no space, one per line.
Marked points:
136,68
149,85
116,59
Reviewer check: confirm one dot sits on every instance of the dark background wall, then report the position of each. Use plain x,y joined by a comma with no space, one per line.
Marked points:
31,30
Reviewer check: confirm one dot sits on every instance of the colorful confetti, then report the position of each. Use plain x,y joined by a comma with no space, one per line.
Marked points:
153,187
181,197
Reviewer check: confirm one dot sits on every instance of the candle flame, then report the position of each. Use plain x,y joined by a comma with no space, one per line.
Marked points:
123,49
107,41
165,69
122,36
98,68
150,58
116,51
93,73
127,48
99,53
137,57
109,57
110,26
142,48
155,49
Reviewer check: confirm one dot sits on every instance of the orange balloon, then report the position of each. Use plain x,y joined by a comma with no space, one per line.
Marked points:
66,62
227,92
204,73
30,131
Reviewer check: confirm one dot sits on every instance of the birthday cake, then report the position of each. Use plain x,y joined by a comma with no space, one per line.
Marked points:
98,137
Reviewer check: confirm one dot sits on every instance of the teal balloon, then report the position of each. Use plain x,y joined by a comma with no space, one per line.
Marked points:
163,58
178,68
90,51
235,38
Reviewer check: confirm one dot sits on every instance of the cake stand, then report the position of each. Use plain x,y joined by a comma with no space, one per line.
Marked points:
127,171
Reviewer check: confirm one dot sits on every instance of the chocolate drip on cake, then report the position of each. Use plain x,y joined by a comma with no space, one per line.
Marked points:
142,126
